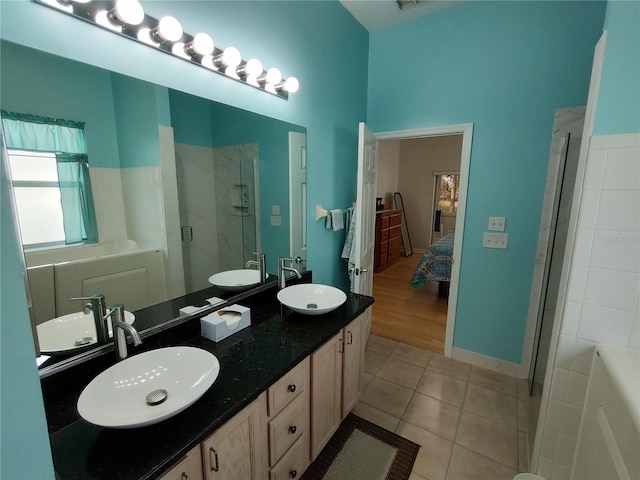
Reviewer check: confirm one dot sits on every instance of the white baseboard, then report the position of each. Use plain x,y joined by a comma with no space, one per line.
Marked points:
490,363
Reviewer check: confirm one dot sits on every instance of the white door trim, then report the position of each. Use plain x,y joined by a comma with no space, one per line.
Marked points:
466,130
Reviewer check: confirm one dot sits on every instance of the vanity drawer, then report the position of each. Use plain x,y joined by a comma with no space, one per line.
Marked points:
294,463
287,427
288,387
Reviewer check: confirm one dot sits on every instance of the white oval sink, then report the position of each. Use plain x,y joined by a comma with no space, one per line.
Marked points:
118,397
236,280
312,298
64,334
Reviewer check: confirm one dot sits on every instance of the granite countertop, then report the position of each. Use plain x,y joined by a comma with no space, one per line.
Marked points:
251,361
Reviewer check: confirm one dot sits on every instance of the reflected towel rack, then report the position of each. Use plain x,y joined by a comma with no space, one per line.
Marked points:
323,212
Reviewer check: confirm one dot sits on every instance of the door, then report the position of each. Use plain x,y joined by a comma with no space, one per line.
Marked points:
352,366
365,212
298,195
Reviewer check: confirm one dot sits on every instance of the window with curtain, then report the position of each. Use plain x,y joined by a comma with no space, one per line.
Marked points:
49,170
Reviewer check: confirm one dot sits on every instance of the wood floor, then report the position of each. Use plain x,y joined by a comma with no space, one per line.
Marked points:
415,316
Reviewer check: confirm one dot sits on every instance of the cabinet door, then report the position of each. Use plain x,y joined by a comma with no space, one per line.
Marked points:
236,450
326,392
189,468
352,368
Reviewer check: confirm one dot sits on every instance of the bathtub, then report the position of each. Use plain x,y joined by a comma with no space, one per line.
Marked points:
124,272
609,438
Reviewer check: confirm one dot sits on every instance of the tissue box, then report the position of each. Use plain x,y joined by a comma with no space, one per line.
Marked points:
225,322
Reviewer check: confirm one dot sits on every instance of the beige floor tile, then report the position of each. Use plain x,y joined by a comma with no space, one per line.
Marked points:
449,366
442,387
523,421
523,452
416,356
373,361
400,372
495,381
380,344
492,405
433,457
366,378
523,389
468,465
386,396
415,476
432,415
488,438
375,416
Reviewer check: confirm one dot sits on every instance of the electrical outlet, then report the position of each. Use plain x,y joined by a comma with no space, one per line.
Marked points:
275,209
276,220
496,240
496,224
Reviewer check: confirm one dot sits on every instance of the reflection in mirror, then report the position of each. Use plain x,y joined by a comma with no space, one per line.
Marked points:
183,187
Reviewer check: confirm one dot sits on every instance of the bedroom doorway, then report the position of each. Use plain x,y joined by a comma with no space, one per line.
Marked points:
400,302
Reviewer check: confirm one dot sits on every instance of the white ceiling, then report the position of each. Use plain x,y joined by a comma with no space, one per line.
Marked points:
378,14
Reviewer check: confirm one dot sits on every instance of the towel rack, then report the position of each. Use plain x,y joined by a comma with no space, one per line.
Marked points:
321,212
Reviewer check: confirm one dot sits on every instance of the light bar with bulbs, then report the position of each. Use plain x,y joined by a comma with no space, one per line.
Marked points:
127,18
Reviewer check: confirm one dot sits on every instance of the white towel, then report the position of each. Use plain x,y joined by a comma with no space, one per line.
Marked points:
337,219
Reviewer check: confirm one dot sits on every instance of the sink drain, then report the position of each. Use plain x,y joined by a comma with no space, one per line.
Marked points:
83,341
157,397
312,305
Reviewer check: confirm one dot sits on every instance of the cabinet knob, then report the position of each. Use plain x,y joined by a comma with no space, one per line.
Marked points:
291,388
184,476
292,429
293,473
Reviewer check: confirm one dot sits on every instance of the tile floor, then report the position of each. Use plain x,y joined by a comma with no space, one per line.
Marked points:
470,422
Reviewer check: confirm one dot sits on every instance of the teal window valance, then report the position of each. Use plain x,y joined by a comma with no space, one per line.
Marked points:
66,140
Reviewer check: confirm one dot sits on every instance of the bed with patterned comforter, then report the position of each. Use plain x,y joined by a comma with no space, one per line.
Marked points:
435,264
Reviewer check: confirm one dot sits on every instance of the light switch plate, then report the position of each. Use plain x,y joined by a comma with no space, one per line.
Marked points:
276,220
496,224
496,240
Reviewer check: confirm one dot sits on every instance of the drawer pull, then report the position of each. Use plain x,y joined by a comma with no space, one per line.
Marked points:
350,341
292,429
341,346
214,462
293,473
184,476
292,387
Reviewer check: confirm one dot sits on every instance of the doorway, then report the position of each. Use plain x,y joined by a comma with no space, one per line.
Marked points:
394,285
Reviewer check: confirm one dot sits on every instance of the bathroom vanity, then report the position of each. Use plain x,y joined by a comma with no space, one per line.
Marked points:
257,421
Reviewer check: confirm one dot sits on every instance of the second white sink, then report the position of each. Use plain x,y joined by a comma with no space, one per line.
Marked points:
311,298
236,280
149,387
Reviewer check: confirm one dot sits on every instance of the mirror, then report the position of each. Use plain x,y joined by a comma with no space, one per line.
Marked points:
183,188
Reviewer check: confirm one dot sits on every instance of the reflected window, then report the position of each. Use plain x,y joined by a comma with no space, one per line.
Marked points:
36,188
447,193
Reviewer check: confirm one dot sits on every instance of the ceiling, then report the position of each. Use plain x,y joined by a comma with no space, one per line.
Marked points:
378,14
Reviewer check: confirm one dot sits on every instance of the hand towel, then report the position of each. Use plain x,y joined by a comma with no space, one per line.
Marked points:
337,219
349,249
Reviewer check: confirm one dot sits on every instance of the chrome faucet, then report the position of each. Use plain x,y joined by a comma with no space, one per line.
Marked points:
261,265
98,306
282,269
119,329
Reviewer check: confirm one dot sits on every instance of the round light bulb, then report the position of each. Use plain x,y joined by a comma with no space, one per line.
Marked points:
230,71
202,44
207,61
252,80
253,68
231,57
291,85
129,12
170,29
273,76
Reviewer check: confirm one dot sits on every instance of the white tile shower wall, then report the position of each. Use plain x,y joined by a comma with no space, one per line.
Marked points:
603,296
144,207
106,186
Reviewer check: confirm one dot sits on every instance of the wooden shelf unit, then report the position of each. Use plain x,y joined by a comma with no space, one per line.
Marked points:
388,239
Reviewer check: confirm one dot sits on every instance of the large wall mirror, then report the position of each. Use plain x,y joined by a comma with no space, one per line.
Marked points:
183,188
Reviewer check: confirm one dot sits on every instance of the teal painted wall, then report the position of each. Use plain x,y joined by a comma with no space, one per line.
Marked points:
24,442
197,121
505,67
317,41
618,107
136,118
54,87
